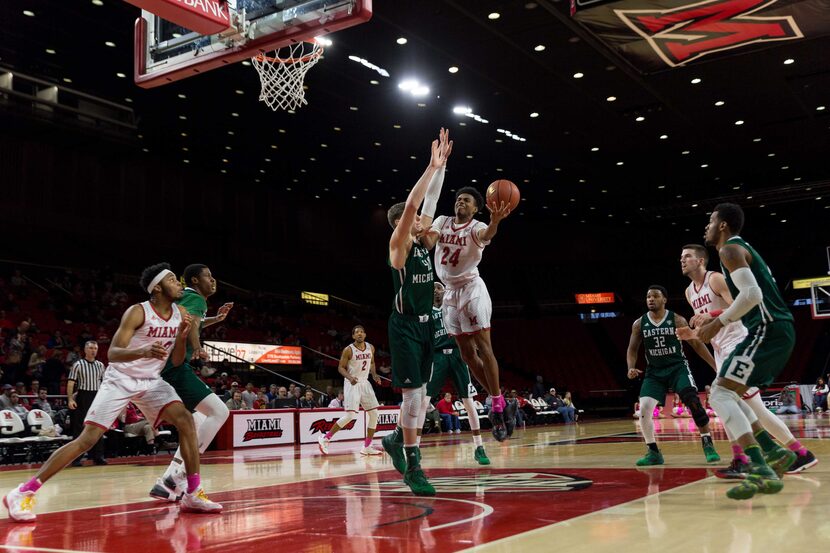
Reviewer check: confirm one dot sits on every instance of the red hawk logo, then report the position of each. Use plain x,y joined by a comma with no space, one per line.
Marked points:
324,425
682,35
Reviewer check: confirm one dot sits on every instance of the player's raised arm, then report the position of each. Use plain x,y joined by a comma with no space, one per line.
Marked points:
430,235
496,215
699,347
132,320
343,366
633,349
401,240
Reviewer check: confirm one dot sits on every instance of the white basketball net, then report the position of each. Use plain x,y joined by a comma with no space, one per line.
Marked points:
282,73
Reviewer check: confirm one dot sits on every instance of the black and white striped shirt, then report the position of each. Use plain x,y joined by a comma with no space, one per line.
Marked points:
87,374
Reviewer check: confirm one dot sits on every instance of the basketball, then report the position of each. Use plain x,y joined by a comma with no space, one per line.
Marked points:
505,191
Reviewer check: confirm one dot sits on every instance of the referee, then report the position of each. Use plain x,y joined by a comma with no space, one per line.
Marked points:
85,378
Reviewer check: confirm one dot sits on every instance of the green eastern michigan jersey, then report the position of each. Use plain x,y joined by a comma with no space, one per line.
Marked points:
194,303
442,340
663,348
772,307
414,283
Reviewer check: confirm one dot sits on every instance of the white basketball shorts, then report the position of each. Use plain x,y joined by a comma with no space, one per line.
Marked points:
151,395
360,395
467,309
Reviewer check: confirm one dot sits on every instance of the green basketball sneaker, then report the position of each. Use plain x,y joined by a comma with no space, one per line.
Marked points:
481,456
394,448
760,479
711,454
651,458
780,460
418,483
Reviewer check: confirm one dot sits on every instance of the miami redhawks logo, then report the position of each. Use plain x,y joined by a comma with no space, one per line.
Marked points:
262,429
323,425
387,421
684,34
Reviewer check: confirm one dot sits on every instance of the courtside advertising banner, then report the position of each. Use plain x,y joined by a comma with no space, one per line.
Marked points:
656,35
387,420
251,428
262,353
317,422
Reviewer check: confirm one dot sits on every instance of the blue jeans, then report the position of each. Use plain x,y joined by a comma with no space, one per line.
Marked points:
820,400
450,422
567,413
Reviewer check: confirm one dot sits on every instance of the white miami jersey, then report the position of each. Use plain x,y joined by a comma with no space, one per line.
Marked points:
704,300
458,250
155,329
361,362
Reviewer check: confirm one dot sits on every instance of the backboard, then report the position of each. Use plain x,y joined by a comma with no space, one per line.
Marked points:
820,299
166,52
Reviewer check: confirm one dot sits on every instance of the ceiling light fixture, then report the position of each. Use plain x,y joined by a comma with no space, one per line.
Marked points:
453,69
110,44
697,80
640,119
28,13
323,41
719,103
367,64
611,99
539,47
821,108
578,75
50,51
401,41
663,136
789,61
534,115
595,149
494,15
739,122
121,75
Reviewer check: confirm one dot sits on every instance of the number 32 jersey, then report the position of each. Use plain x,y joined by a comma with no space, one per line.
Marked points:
458,250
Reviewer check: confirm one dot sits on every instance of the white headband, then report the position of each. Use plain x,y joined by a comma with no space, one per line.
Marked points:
158,278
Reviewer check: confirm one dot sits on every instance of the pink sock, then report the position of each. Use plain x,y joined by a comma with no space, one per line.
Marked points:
498,403
193,482
367,442
798,448
328,435
738,453
32,485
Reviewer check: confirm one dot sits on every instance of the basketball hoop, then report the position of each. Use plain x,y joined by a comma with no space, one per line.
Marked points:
282,73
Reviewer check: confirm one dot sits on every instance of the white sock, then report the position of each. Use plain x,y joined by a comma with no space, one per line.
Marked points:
477,440
647,405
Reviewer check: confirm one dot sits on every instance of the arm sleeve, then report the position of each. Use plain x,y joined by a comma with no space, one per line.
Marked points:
749,295
433,193
437,224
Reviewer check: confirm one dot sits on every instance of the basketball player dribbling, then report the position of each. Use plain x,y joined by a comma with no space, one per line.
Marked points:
460,242
357,363
209,412
410,323
149,332
709,296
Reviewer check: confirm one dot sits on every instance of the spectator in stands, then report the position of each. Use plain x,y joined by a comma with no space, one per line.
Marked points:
20,389
261,401
272,392
17,407
296,395
249,395
282,401
291,389
307,401
337,402
233,389
36,362
235,402
554,401
57,341
326,398
521,416
449,416
820,395
135,423
42,402
432,420
103,336
73,355
569,402
788,403
538,390
6,398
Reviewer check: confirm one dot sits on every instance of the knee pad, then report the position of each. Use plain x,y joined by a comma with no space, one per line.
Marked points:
411,407
647,405
373,419
689,397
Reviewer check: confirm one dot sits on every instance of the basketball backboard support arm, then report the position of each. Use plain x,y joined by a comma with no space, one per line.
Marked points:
165,53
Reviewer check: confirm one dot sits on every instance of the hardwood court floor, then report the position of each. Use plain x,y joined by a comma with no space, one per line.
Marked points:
563,488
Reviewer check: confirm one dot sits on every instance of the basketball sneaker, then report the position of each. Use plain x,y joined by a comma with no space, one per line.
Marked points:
497,419
393,445
802,463
481,456
418,483
651,458
20,505
369,450
198,502
737,470
324,445
711,454
759,479
780,460
169,488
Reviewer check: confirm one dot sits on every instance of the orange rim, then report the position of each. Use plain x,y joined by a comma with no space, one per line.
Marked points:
261,57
